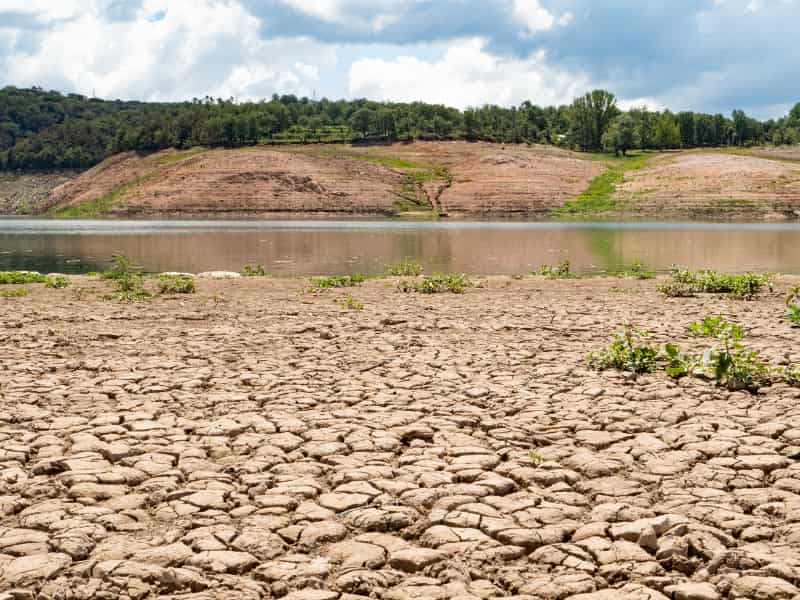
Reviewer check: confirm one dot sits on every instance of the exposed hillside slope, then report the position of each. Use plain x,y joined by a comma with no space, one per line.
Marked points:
457,179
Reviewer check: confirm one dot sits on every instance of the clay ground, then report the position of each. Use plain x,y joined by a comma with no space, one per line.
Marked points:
255,441
715,184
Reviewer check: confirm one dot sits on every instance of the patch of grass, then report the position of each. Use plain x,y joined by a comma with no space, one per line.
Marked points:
351,303
406,268
562,271
438,284
599,196
93,208
256,270
627,352
733,203
337,281
685,282
176,284
623,290
17,293
166,159
56,282
21,277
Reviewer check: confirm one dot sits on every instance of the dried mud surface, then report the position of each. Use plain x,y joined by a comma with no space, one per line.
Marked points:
253,441
715,185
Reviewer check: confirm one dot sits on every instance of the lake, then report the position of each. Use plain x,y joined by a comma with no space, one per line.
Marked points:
326,247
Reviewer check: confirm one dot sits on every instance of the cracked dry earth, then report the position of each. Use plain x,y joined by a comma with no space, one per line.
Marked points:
252,441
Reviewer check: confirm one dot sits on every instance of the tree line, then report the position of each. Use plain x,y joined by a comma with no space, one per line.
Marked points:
48,130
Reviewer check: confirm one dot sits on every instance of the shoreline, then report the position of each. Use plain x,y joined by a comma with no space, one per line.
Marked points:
256,439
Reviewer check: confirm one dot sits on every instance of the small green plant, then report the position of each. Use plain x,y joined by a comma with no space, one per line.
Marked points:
337,281
438,284
129,284
685,282
405,268
121,268
716,327
678,364
623,290
793,297
791,375
56,282
21,277
351,303
536,458
17,293
562,271
627,352
793,314
176,284
638,270
254,271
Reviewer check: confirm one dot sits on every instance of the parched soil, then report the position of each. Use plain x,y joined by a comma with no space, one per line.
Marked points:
714,184
255,441
29,193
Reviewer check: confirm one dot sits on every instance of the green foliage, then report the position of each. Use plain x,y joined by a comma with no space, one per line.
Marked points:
621,135
256,270
716,327
562,271
791,375
56,281
590,116
793,297
176,284
438,284
21,277
677,364
93,208
684,282
627,352
337,281
128,283
638,270
17,293
351,303
599,196
406,268
793,314
536,458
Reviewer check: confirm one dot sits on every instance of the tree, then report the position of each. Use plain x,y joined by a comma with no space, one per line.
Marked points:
667,133
794,116
590,117
361,121
621,135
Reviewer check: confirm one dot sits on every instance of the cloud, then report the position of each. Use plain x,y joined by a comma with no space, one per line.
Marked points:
466,75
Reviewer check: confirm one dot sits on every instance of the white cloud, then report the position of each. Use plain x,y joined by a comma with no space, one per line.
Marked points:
199,47
645,101
467,75
533,16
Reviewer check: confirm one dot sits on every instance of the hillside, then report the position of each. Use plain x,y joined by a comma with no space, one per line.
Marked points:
457,179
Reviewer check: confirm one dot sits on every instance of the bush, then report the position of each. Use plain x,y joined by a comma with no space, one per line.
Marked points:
638,271
21,277
562,271
121,268
129,285
438,284
676,289
716,327
176,284
626,353
337,281
405,269
254,271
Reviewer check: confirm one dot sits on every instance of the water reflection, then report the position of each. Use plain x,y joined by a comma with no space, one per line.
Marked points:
322,247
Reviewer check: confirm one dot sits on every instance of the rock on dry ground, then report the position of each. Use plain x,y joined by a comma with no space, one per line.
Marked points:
255,441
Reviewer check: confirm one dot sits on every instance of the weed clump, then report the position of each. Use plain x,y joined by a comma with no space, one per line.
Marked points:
638,270
685,282
562,271
793,306
254,271
351,303
337,281
405,268
128,284
56,282
176,284
17,293
627,352
438,284
21,277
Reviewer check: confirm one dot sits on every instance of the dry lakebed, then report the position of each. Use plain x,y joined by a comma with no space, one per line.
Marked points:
254,440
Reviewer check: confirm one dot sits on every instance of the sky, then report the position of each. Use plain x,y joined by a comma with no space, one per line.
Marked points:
707,55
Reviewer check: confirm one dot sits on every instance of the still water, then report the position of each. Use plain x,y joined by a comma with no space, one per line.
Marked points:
326,247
